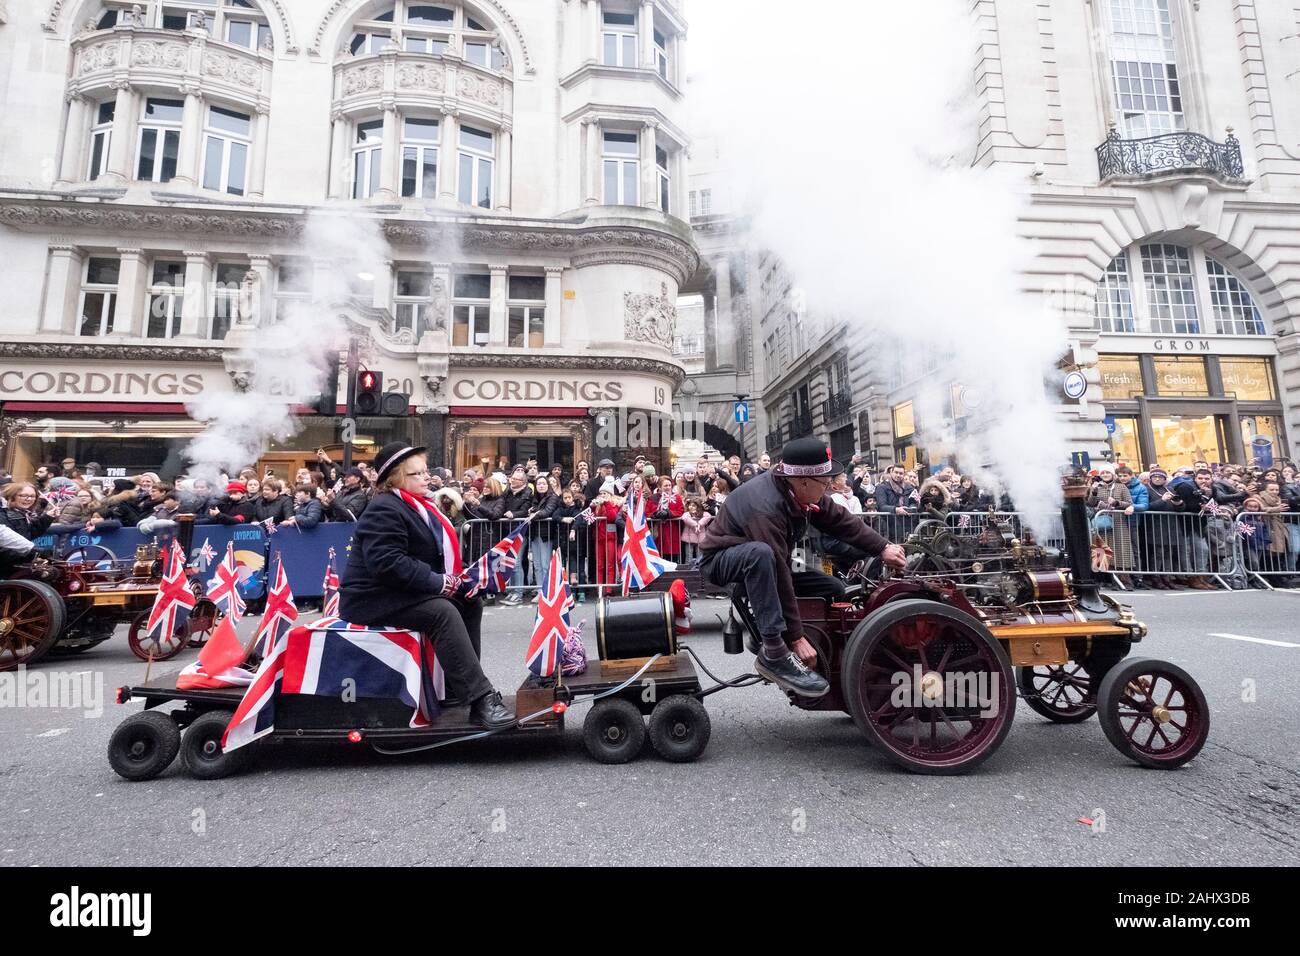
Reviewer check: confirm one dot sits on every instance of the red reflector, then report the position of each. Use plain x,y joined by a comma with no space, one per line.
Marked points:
559,707
119,694
354,737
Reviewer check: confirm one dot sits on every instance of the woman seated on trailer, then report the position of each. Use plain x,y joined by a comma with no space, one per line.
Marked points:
398,576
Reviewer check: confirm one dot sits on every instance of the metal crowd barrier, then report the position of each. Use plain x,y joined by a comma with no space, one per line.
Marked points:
590,551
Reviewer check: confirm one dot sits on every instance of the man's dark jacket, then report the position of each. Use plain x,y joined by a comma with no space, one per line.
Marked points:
763,509
396,562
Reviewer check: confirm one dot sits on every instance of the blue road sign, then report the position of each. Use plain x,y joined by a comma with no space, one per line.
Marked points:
1081,459
1109,422
742,413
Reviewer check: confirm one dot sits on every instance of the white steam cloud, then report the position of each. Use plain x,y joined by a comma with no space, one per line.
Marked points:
849,131
287,360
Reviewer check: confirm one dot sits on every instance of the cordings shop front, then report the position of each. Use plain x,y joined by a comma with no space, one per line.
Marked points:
131,416
1175,401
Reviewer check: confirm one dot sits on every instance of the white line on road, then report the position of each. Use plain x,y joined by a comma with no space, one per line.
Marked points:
56,732
1253,640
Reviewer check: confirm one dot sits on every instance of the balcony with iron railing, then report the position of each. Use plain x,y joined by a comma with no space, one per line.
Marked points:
837,406
801,425
1171,154
774,439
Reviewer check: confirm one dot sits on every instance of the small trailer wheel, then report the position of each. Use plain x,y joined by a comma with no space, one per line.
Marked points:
679,728
201,751
614,731
144,745
1153,712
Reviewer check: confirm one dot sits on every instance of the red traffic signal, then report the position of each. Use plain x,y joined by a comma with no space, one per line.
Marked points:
370,392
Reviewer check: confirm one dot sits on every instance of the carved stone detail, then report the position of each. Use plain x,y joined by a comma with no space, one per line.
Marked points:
232,69
360,79
650,318
173,56
56,351
411,76
95,58
480,89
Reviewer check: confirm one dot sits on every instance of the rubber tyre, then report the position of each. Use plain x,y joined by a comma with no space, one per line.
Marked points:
42,619
201,747
144,745
614,731
855,660
679,728
1074,715
1109,696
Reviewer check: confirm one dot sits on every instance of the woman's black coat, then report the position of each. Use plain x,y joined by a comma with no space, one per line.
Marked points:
30,528
396,562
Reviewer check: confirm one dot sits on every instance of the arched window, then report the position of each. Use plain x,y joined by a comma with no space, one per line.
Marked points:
1166,289
241,22
431,28
1144,76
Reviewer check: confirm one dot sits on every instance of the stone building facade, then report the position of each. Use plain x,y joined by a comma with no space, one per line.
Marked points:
524,162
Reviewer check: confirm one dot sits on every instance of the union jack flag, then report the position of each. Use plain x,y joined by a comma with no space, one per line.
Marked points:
1211,507
330,658
223,591
175,600
280,613
206,554
330,589
1246,529
639,558
552,626
490,574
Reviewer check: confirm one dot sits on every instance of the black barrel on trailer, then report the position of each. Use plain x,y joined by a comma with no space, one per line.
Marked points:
640,625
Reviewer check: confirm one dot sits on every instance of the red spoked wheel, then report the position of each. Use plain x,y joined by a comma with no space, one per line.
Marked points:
1153,712
201,622
1063,693
147,648
929,686
32,615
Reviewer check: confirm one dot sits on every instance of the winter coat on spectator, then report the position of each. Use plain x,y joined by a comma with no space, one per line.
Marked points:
29,524
1138,492
127,507
693,528
1259,536
1117,538
232,512
348,505
890,496
161,514
935,498
518,503
279,509
667,529
543,514
1291,497
196,504
487,509
1227,494
849,500
862,489
308,514
71,511
1273,509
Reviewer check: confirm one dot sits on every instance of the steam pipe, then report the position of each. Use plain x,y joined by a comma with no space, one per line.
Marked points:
1078,543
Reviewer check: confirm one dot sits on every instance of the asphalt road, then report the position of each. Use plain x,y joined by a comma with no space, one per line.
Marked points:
776,785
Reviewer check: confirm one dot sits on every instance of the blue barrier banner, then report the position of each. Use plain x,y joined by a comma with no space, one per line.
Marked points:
209,548
306,553
118,545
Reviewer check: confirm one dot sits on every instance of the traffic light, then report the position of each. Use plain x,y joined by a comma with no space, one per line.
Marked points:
370,392
396,404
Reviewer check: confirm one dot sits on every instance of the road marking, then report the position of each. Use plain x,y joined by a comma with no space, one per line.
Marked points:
1253,640
56,732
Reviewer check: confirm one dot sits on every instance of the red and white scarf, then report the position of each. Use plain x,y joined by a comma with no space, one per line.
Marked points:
441,527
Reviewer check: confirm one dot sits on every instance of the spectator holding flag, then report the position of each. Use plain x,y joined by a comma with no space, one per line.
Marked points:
404,570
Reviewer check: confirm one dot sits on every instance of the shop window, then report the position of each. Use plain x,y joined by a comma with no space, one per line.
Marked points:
1182,440
1261,437
1248,379
1121,377
1125,442
904,420
1181,376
